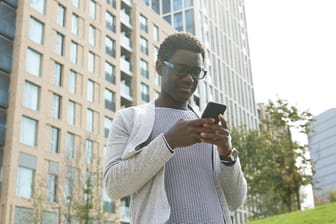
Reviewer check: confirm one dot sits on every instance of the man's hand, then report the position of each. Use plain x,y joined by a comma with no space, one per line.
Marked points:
187,132
218,135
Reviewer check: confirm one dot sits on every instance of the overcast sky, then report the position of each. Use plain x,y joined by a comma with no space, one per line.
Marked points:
292,48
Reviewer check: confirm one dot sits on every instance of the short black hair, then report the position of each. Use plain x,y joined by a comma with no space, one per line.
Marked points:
178,41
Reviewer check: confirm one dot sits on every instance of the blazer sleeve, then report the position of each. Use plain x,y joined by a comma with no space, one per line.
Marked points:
123,177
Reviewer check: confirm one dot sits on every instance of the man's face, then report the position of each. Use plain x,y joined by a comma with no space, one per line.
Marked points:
177,87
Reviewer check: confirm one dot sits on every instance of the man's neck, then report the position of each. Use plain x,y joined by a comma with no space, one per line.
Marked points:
161,102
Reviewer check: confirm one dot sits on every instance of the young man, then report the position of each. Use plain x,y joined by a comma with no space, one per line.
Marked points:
176,166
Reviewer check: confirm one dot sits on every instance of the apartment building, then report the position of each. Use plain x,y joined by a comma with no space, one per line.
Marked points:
66,67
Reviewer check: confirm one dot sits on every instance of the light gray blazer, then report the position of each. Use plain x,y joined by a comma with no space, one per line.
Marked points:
134,166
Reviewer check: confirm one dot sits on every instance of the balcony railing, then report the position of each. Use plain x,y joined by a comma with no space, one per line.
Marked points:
125,66
125,91
125,19
125,42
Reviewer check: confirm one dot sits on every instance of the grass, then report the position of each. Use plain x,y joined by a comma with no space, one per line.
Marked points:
324,214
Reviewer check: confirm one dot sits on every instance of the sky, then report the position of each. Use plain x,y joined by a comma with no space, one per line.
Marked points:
292,48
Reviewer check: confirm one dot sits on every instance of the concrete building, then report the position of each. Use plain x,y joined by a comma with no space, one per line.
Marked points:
66,67
322,144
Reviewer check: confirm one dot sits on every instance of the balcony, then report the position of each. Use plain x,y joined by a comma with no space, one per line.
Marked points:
125,19
125,42
125,66
7,20
125,91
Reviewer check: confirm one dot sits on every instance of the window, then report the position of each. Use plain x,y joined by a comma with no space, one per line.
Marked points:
166,6
188,3
49,217
91,62
54,140
107,126
71,112
56,106
143,23
31,96
189,21
59,44
89,120
75,3
92,35
74,24
110,21
89,151
110,72
157,79
109,46
90,91
33,62
144,45
144,92
38,5
108,203
109,100
58,74
25,175
112,3
144,68
52,181
155,33
23,215
36,30
178,22
72,82
155,54
61,15
28,137
70,148
177,4
156,6
73,52
68,185
92,9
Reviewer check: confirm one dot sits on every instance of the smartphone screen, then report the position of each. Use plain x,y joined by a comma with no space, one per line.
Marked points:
212,110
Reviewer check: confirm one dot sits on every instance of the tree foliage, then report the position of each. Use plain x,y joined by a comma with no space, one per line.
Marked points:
270,156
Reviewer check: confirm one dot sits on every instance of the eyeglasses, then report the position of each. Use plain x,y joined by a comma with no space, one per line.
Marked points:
182,70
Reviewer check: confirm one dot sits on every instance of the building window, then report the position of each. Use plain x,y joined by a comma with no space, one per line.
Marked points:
58,74
25,175
89,120
166,6
75,3
90,91
36,30
188,3
56,106
110,21
108,203
59,48
157,79
23,215
52,181
177,4
38,5
189,21
28,137
155,33
144,92
107,126
70,145
111,3
110,72
144,68
61,15
91,62
74,24
31,96
92,9
109,100
109,46
33,62
178,21
74,52
92,35
89,151
72,82
49,217
144,45
54,140
71,112
68,185
143,23
155,54
156,6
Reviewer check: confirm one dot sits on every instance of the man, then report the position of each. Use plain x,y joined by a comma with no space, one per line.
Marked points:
176,166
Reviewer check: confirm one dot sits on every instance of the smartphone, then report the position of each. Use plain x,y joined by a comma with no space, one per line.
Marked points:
212,110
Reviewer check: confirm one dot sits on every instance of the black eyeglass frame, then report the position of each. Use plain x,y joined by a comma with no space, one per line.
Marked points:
189,70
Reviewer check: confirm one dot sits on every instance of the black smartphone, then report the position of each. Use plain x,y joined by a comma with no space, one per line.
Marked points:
212,110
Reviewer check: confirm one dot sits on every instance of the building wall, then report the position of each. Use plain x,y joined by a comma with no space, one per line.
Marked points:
322,144
41,126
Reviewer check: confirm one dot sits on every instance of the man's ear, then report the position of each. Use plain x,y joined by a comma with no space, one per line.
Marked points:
159,67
